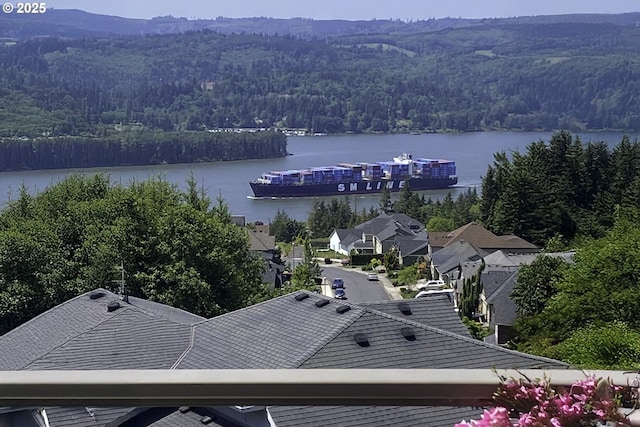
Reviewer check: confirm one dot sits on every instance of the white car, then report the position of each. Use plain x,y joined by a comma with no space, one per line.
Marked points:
431,284
372,276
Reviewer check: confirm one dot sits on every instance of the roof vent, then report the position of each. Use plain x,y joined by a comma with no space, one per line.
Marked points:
404,308
301,297
184,409
113,306
322,302
206,420
343,309
408,333
361,339
96,294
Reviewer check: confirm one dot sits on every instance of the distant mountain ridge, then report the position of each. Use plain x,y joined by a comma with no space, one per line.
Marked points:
75,23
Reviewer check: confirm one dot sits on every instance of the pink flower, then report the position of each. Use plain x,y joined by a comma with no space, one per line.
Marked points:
587,403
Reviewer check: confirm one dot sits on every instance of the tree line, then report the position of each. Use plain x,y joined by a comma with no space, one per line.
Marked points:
562,188
139,148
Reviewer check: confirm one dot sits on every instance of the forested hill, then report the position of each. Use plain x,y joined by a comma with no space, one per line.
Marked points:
498,74
76,23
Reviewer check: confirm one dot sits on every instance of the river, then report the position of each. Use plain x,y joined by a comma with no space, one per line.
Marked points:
472,152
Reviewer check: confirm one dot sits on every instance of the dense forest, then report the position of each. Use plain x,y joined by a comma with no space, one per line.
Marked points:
562,189
493,75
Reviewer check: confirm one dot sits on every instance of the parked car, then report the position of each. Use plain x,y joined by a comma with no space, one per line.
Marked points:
340,293
337,283
372,276
431,284
423,294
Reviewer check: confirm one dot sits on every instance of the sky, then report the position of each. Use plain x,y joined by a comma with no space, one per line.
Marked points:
345,9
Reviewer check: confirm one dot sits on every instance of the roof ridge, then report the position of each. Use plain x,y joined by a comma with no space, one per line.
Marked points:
330,337
187,350
249,307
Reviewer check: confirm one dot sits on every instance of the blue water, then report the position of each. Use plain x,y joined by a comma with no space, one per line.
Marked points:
472,152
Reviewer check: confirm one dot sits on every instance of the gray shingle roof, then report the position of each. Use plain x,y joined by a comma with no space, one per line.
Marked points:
131,339
369,416
503,305
493,279
34,339
455,254
173,417
86,416
433,310
433,348
280,333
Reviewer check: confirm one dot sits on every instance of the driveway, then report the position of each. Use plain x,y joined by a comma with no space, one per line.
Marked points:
357,287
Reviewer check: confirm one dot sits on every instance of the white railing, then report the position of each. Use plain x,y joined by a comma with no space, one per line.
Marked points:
405,387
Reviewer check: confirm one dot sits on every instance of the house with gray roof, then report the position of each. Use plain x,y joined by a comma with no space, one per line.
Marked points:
381,234
499,279
455,263
264,245
303,330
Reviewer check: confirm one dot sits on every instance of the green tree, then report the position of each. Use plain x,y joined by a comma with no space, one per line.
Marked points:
385,200
439,223
612,345
600,287
175,250
390,260
305,272
286,229
537,283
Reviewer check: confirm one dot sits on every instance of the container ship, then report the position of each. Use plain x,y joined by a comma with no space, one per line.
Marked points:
358,178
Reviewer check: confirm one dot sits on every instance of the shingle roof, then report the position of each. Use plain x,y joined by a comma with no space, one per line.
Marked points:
259,241
86,416
131,339
433,348
174,417
504,259
455,254
434,310
369,416
349,236
34,339
410,244
480,237
279,333
493,279
285,332
503,305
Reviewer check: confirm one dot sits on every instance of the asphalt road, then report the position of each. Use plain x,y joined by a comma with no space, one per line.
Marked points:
356,285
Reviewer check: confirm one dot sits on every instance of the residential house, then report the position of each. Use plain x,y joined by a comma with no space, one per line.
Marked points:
98,330
481,238
346,240
499,278
263,245
380,235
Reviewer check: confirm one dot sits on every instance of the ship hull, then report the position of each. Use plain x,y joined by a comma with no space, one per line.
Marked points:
350,187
